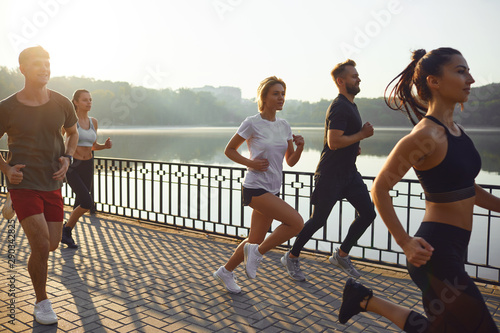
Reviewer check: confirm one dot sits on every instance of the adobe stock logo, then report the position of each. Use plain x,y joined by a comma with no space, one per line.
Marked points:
31,26
478,97
363,36
224,6
154,78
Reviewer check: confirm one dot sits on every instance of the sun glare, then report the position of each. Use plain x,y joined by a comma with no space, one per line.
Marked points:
196,43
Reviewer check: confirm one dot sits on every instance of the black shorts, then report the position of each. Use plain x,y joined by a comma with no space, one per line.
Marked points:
249,193
451,300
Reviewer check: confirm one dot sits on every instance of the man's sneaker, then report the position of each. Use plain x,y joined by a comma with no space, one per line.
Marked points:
354,293
344,263
67,238
44,314
292,267
228,280
252,259
7,210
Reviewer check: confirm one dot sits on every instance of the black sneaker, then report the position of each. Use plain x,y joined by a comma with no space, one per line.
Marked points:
67,238
354,293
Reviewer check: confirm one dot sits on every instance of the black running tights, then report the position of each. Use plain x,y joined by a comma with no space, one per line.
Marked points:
451,300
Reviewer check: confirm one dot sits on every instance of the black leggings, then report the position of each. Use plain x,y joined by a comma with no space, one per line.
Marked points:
327,192
451,300
80,175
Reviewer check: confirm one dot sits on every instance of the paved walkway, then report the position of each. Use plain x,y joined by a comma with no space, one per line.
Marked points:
134,277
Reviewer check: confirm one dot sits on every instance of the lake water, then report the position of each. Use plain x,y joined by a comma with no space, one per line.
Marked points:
206,146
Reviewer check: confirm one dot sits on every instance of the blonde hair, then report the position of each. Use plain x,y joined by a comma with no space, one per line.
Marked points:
264,87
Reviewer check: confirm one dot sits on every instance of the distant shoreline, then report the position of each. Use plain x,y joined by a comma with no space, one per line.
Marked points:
232,128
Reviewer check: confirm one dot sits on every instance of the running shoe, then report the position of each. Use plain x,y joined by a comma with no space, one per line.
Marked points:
344,263
44,314
228,279
292,267
354,293
252,259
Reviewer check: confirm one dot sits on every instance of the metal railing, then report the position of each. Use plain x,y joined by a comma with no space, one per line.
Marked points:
207,198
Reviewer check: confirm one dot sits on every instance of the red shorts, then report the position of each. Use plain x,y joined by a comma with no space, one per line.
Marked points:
31,202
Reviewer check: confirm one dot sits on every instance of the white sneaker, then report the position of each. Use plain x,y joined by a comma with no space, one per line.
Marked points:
344,263
228,280
44,314
7,210
252,259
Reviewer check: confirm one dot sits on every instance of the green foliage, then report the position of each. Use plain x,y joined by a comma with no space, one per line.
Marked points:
119,104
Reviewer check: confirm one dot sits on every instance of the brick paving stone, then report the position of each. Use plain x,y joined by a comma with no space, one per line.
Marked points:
175,326
66,326
129,276
112,315
128,328
93,326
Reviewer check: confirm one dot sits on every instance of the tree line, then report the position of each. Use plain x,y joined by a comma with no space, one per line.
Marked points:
120,104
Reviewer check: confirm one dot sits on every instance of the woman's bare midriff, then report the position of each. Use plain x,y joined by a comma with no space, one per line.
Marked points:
83,153
458,213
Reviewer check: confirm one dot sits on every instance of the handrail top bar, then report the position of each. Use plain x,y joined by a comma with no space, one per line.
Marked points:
414,181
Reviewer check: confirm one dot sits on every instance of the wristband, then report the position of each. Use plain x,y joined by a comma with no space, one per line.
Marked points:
70,158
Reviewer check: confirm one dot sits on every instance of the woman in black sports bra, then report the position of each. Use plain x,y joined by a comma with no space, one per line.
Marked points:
446,163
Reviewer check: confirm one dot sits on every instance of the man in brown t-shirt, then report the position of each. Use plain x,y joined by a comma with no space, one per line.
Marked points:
36,165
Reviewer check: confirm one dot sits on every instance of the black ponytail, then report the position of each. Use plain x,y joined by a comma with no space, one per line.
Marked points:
402,96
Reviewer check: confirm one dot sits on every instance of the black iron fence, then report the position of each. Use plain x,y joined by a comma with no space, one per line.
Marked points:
207,198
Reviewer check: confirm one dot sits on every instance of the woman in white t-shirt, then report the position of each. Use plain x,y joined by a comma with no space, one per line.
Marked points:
269,140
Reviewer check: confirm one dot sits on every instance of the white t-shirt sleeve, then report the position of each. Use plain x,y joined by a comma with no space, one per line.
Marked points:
246,129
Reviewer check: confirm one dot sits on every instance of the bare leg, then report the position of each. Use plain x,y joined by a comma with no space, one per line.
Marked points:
342,253
75,216
273,207
394,312
43,237
258,229
267,208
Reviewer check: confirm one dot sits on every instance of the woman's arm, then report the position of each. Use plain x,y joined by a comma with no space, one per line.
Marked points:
292,156
98,146
486,200
231,151
71,139
400,160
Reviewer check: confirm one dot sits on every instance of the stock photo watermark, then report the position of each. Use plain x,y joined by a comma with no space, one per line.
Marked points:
11,276
32,25
483,93
363,35
155,78
222,7
448,293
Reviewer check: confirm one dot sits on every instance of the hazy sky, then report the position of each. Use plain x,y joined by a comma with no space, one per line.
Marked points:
192,43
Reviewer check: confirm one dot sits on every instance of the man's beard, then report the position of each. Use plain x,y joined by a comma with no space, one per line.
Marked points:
352,90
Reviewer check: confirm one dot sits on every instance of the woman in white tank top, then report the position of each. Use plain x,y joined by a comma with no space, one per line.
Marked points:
80,174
